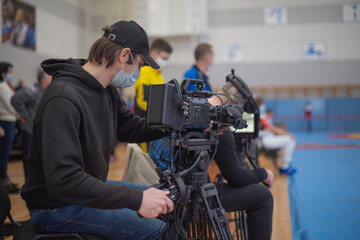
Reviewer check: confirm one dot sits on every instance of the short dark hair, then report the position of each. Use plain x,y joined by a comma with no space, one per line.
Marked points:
9,65
201,50
161,45
40,76
4,68
105,50
259,101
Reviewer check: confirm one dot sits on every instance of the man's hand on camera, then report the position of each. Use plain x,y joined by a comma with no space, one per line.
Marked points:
155,202
217,130
210,128
270,178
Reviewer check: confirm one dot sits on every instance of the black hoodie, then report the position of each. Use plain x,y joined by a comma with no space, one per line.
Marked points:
76,125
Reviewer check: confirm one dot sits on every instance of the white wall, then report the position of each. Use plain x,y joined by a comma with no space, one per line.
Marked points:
264,44
283,43
67,28
308,20
179,22
273,54
60,28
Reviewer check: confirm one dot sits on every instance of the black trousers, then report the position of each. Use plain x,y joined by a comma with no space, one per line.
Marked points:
257,200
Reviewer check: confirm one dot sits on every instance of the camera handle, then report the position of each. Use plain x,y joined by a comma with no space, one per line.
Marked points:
186,82
241,86
244,90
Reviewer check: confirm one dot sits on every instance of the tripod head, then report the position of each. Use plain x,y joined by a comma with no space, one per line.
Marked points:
191,191
195,149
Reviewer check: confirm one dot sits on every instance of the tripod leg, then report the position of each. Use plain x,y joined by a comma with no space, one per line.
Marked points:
203,221
175,228
217,216
241,225
209,229
237,225
245,225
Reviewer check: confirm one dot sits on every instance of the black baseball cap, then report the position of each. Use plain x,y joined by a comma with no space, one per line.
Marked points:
129,34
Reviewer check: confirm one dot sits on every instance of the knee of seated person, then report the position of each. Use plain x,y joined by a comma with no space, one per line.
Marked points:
292,140
265,193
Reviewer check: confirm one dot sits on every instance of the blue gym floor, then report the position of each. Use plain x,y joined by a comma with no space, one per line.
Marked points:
325,193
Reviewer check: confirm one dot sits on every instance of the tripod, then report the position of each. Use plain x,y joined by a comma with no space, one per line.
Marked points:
198,213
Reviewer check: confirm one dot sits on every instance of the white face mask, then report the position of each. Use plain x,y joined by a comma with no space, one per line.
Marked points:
162,63
123,80
210,67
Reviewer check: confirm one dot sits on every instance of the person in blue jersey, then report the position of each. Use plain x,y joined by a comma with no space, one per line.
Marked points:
204,59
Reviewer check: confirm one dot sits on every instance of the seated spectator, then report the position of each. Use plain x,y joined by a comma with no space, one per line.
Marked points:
273,137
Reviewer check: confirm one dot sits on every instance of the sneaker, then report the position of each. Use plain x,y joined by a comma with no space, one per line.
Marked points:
287,171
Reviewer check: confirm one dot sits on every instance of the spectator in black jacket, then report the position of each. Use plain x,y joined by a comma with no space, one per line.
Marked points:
25,101
77,122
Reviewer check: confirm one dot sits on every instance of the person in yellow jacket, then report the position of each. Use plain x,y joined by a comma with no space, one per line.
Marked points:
160,51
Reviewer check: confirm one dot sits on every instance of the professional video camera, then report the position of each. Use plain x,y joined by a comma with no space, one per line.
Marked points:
187,114
182,110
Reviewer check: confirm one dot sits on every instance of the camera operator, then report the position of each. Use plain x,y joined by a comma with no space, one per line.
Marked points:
242,191
77,123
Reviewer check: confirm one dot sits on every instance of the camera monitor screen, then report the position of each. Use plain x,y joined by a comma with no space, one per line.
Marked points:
252,125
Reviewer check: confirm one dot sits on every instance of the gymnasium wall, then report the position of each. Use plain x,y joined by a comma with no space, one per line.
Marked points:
272,54
329,114
280,74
